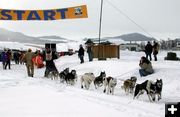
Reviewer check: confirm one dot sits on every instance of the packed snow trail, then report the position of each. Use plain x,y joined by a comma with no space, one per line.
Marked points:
23,96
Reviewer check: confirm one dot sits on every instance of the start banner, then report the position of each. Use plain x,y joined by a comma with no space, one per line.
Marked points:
50,14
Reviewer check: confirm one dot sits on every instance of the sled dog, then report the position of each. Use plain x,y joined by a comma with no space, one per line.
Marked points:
152,89
54,75
129,85
109,83
98,81
86,80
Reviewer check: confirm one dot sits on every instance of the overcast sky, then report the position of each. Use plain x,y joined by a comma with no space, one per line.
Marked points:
160,18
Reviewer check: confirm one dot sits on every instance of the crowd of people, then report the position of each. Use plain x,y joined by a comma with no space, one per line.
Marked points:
151,49
7,56
89,45
145,63
36,58
30,59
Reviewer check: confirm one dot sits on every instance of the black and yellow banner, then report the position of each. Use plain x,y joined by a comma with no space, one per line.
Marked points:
51,14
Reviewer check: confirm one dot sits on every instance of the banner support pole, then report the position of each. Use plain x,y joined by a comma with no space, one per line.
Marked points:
100,23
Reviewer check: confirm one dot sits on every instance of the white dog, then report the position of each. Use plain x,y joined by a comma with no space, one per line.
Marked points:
110,83
87,79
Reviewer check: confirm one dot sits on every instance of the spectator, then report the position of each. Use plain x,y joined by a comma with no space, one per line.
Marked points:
89,44
9,57
22,54
38,60
155,50
90,52
16,57
146,67
29,63
4,58
148,50
81,53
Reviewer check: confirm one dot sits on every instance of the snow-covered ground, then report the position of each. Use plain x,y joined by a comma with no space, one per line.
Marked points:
22,96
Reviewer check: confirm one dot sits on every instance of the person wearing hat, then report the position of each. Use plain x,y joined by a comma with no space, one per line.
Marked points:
29,63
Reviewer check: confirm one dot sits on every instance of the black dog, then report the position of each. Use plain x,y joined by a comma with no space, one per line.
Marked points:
149,87
71,77
62,75
98,81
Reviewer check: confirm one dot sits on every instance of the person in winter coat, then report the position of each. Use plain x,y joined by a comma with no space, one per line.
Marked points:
49,57
146,67
81,53
90,52
38,60
148,50
22,54
155,50
9,57
29,63
4,58
16,57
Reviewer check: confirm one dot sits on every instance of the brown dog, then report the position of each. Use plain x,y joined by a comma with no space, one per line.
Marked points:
129,85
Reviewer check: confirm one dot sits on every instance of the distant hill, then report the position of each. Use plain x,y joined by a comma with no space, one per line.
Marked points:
51,37
134,37
123,38
6,35
55,38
